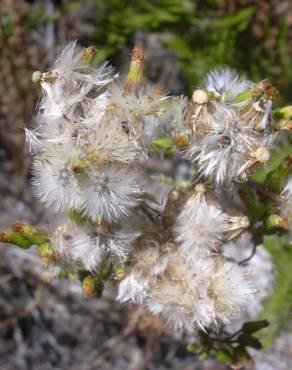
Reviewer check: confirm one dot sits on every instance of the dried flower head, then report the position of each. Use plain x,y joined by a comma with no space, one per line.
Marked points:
226,85
226,145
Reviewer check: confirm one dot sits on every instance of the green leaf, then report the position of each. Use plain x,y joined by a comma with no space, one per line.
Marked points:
277,306
255,207
260,175
239,19
275,222
92,286
194,348
164,180
223,355
240,354
47,253
276,179
24,236
163,143
246,339
34,235
244,96
253,326
283,113
203,356
16,238
7,27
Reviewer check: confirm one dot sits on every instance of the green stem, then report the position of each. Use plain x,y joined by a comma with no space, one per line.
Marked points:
16,238
24,236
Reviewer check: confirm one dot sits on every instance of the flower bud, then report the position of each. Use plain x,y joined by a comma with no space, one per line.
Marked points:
200,188
79,166
262,154
16,238
119,272
92,286
200,97
135,78
47,254
284,124
36,76
88,54
181,141
34,235
277,222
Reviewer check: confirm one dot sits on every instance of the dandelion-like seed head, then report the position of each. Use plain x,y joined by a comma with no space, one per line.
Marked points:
230,287
111,193
226,84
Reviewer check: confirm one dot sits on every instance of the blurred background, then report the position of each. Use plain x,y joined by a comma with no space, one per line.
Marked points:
48,325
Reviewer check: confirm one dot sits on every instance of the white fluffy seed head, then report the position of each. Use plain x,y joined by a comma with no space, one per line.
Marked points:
87,246
70,81
84,156
200,228
135,105
175,295
198,295
55,182
133,288
106,137
231,289
225,152
226,84
111,193
168,124
32,140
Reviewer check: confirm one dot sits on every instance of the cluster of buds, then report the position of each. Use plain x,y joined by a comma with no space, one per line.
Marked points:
92,137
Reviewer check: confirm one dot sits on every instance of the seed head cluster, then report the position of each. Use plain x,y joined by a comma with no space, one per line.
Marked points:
92,136
232,126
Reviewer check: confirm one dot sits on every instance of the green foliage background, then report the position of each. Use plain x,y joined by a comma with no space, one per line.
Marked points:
205,35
